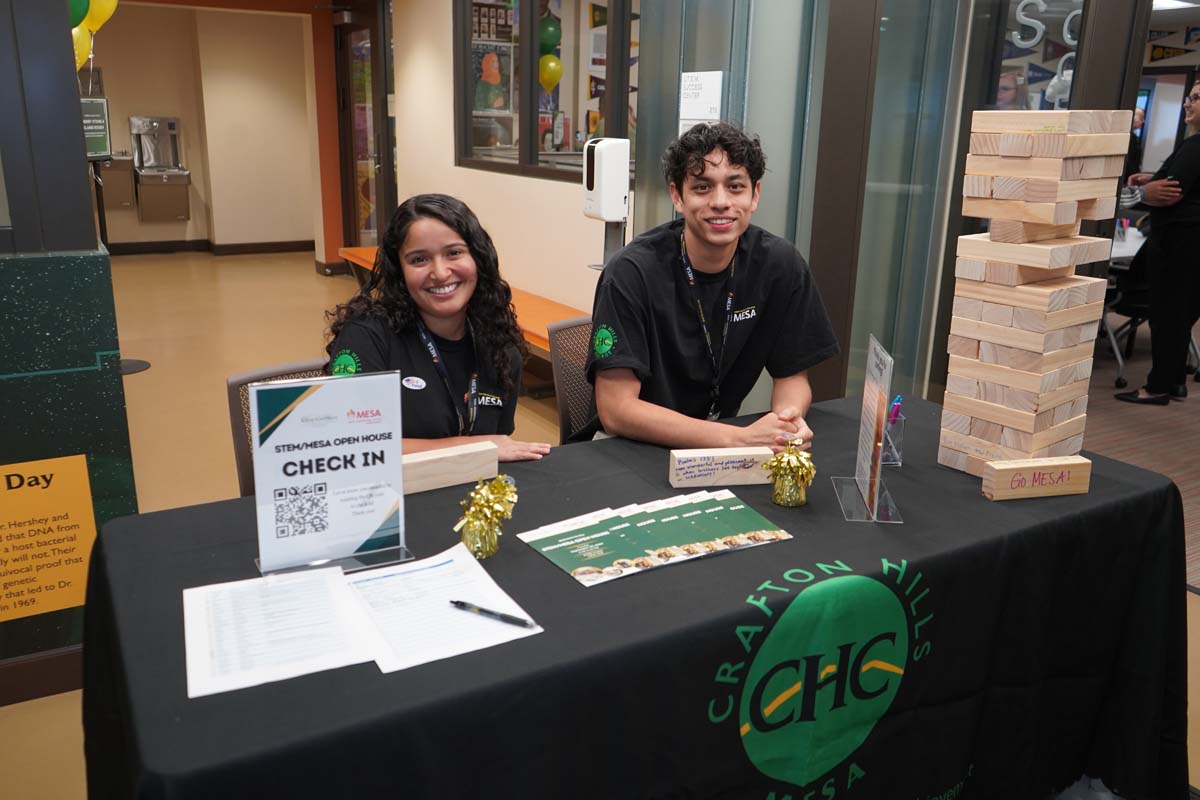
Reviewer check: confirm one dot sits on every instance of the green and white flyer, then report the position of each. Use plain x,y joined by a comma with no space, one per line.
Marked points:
613,543
327,468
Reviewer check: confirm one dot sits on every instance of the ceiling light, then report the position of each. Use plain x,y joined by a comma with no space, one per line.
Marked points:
1166,5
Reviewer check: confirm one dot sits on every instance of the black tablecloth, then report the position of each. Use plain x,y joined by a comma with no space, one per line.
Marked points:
1039,639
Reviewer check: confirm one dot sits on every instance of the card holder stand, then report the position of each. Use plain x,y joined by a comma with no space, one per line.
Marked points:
384,557
855,508
893,443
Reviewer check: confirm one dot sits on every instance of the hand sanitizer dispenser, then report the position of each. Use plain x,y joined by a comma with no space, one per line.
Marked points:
606,179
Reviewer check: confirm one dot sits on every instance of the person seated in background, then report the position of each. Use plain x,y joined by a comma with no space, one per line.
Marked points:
688,314
436,309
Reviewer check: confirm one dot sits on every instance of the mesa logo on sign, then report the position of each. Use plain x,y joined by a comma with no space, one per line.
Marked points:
806,687
364,415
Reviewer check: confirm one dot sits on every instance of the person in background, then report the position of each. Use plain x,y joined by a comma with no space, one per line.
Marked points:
1173,194
1133,159
1012,92
688,314
436,309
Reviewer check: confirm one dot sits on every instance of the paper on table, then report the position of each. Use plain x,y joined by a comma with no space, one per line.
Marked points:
256,631
414,622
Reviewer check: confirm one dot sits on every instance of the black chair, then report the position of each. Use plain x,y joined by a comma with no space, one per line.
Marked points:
569,343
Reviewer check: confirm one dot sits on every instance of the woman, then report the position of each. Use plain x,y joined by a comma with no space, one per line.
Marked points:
1173,193
437,310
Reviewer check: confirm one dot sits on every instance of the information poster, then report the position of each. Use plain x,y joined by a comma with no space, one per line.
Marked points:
876,387
95,127
614,543
699,98
47,528
327,468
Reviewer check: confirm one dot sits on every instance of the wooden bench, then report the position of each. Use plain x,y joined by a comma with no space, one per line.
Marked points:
534,313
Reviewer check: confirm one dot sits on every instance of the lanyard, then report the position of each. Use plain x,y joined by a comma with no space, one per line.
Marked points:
714,393
467,427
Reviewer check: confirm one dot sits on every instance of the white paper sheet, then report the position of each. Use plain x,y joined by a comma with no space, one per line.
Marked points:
251,632
414,623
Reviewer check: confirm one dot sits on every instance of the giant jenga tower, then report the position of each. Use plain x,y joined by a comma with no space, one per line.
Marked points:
1024,323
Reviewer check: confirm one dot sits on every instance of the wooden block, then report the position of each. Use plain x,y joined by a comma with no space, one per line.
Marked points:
1079,404
1046,190
1007,274
719,466
986,144
1036,477
967,307
1067,447
1006,336
997,314
1045,213
1029,361
1041,321
957,423
1047,296
1099,208
956,384
1052,122
1033,442
962,346
1008,230
969,268
1049,254
961,461
1061,145
992,392
1022,421
1031,382
448,466
1033,402
977,186
986,431
978,448
1055,169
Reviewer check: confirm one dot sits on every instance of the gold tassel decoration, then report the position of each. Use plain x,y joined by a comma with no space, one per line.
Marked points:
484,509
792,472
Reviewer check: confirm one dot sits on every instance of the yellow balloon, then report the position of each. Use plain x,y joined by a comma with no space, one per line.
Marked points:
98,13
81,37
549,71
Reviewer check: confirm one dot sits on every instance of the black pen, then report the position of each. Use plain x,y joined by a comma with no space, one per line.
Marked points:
484,612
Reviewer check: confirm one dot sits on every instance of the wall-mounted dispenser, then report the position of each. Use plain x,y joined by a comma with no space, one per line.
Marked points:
161,179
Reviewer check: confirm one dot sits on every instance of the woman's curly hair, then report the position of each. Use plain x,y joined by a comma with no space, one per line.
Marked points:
385,295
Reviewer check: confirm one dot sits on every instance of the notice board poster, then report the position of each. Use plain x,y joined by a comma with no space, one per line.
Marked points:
46,533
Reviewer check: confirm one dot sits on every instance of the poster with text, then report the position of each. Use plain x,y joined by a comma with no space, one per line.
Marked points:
47,528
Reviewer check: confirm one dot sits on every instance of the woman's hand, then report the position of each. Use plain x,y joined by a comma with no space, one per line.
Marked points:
770,430
1139,178
1163,192
509,449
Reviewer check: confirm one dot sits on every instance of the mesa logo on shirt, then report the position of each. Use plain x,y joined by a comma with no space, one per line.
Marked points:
741,315
486,399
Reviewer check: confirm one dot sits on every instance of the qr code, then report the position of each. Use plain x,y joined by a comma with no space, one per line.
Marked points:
301,510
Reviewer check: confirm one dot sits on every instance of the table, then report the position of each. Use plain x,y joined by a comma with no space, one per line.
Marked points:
534,312
1045,639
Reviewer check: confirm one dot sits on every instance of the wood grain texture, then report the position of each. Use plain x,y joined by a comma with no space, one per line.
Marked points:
1097,208
1061,145
1055,399
1042,321
1055,294
1005,335
718,466
962,346
1055,169
1008,274
1036,477
977,409
1031,443
1049,254
1017,232
1046,213
970,268
1037,383
976,447
1052,122
986,144
967,307
449,466
961,461
977,186
997,314
958,423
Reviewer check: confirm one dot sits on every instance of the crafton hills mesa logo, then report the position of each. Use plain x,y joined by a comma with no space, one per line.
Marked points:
809,682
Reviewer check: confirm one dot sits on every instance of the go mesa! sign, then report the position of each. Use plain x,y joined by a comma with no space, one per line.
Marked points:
822,666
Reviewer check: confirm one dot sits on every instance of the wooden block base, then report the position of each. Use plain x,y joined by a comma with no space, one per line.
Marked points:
719,466
449,466
1036,477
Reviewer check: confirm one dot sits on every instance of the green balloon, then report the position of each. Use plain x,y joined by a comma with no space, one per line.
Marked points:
549,34
78,10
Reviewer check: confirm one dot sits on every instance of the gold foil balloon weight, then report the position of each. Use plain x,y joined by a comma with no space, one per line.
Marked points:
792,472
484,509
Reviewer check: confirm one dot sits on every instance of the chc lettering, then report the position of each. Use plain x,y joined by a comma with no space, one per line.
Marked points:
15,480
1020,480
312,466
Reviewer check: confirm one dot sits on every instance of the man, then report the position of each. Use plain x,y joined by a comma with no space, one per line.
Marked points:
687,315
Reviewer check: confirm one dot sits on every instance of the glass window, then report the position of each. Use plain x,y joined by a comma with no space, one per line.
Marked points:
1038,57
494,81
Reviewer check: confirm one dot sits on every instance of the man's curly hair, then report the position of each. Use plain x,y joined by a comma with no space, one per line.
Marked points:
385,295
685,155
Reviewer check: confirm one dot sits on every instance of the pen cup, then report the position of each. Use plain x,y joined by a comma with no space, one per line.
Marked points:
893,443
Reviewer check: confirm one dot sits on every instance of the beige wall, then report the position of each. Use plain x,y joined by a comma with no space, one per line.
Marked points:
131,41
545,242
224,75
256,124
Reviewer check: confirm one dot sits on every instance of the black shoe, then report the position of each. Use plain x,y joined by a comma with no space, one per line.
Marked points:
1152,400
1178,392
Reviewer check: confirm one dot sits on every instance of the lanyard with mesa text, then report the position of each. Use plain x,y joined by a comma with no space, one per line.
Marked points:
714,395
467,426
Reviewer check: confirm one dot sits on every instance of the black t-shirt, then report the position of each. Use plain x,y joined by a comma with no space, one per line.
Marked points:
1184,166
644,319
427,408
